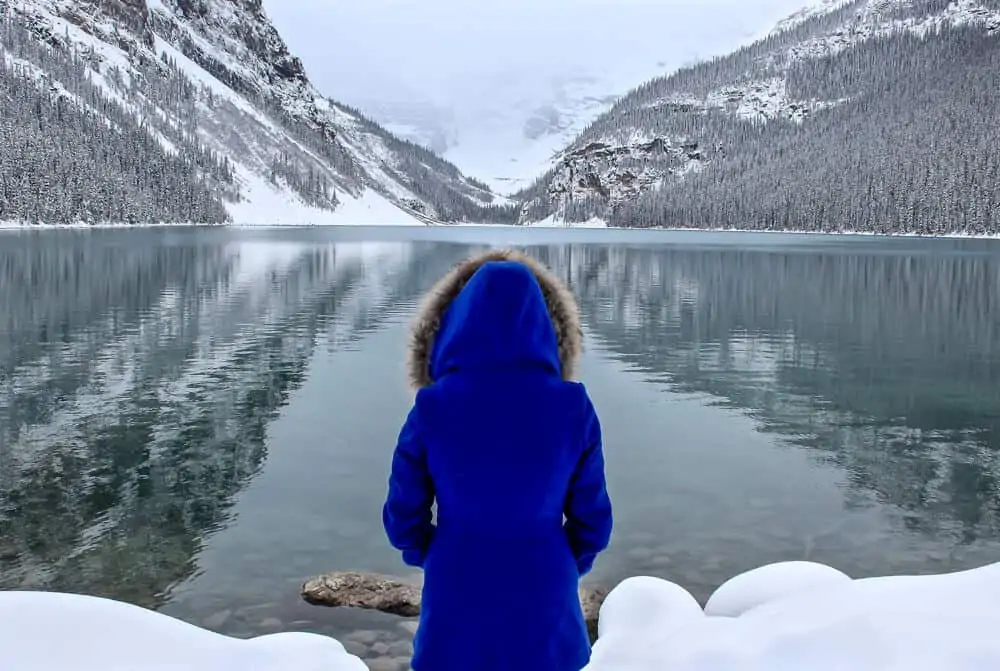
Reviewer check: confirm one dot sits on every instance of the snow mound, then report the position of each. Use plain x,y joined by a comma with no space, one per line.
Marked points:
767,583
46,631
800,615
638,603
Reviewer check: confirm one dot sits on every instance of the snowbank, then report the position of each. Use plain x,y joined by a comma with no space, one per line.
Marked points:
790,616
46,631
799,615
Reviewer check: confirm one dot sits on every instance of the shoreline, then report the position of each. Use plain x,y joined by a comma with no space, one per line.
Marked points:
15,226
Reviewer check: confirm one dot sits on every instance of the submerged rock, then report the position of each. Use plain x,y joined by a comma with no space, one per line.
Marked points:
387,664
349,589
215,621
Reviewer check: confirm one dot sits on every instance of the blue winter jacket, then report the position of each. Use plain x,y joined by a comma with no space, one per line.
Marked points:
510,451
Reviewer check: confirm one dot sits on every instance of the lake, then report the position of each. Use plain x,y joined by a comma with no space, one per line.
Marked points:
197,420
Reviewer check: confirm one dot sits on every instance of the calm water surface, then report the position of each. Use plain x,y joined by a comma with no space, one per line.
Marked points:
197,420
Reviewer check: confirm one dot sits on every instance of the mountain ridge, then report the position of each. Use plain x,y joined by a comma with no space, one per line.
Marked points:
652,158
196,111
293,153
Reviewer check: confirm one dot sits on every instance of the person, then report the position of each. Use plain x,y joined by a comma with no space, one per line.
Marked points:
510,450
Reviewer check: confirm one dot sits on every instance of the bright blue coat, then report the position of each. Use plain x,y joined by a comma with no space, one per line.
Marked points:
506,446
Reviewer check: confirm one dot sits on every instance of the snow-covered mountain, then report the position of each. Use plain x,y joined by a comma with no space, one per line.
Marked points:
512,135
216,120
851,114
504,127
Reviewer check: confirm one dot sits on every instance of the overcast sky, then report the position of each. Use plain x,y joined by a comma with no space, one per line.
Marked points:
396,49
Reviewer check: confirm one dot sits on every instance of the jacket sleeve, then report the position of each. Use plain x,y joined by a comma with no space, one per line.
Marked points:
588,506
406,514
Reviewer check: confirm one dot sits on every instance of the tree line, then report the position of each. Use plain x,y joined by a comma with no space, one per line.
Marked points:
909,146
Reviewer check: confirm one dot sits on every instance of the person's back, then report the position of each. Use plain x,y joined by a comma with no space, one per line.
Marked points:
507,447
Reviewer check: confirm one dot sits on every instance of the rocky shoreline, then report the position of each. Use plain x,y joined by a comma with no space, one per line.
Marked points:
370,591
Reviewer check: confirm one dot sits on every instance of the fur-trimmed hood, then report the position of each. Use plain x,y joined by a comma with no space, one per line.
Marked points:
561,304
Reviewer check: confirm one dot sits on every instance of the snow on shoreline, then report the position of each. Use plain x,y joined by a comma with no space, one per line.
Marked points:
96,634
788,615
803,615
272,208
277,207
369,212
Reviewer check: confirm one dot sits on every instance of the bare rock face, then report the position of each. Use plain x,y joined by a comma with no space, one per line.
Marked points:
133,13
601,175
348,589
122,23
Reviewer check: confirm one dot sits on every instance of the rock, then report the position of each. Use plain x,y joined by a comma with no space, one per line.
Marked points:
217,620
356,648
8,551
363,590
348,589
591,600
410,626
272,623
363,636
383,664
401,649
257,611
380,648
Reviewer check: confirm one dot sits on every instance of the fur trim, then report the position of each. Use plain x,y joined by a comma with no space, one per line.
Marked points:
563,310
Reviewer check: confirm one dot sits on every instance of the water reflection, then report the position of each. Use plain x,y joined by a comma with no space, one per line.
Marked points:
887,366
136,390
141,374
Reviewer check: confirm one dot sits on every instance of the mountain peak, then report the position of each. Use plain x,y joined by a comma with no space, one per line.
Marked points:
248,103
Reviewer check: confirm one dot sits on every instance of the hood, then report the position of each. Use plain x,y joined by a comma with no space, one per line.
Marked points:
501,308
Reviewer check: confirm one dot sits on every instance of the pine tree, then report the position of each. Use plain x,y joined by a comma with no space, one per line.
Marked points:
906,145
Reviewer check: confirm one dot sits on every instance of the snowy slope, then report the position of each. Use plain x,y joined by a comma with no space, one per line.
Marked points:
296,155
512,136
268,205
504,128
675,126
812,10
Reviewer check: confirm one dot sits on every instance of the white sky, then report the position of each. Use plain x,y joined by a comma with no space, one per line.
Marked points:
399,50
